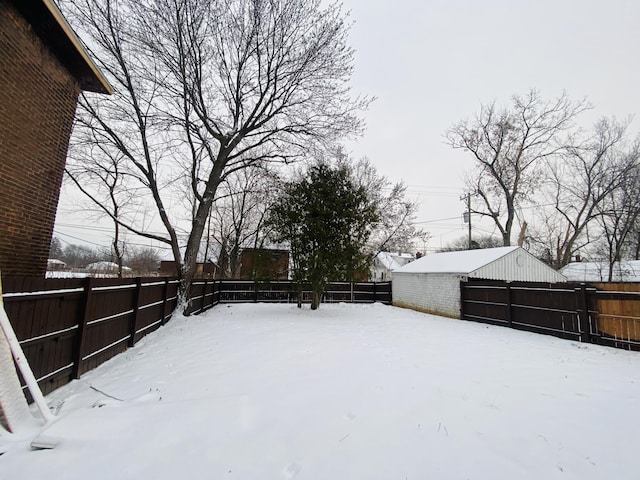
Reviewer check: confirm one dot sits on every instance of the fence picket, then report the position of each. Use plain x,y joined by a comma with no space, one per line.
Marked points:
82,328
133,322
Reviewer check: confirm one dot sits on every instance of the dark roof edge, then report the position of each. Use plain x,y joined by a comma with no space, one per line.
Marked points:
50,25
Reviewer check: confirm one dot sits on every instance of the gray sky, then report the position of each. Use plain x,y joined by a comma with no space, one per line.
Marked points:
431,63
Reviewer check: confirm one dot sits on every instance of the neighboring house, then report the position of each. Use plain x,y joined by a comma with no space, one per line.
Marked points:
432,283
385,262
55,265
43,68
105,268
203,270
264,264
625,271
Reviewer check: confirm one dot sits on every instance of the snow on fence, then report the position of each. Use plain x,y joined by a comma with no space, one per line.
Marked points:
67,327
604,314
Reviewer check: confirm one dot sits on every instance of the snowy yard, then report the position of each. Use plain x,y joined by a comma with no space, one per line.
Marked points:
346,392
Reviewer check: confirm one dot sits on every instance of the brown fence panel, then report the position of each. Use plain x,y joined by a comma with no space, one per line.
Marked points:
109,315
44,316
283,291
485,302
203,295
618,315
171,298
537,307
151,307
545,308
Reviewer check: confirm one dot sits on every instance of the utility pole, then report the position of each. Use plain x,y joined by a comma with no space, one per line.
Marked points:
467,215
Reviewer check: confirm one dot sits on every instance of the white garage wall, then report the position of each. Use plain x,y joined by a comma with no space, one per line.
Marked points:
431,293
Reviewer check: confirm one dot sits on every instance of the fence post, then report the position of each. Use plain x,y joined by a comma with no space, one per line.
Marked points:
133,323
165,294
82,328
462,285
509,319
584,321
204,295
375,292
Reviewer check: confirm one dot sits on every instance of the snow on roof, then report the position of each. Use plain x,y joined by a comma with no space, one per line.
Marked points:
628,271
465,261
387,260
104,266
55,261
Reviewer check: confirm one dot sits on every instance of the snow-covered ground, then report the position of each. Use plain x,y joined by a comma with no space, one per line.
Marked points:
345,392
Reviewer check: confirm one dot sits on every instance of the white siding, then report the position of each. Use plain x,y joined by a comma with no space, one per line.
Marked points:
518,265
431,293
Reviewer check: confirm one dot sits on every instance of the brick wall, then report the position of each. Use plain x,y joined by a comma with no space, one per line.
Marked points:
37,104
430,293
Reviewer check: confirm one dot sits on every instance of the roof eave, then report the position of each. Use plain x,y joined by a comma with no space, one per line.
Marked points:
50,25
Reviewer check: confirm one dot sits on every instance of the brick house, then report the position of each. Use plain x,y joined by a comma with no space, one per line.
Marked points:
43,68
264,264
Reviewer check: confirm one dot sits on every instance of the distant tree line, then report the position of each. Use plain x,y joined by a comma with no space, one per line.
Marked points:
140,260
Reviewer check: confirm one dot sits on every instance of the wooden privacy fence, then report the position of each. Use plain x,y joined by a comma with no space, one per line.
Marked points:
67,327
287,292
603,314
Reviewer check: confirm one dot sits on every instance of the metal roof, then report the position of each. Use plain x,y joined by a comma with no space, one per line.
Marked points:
502,263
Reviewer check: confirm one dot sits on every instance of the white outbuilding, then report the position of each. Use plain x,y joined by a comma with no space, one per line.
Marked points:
432,283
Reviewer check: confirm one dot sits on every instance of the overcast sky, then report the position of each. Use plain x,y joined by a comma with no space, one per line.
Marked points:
431,63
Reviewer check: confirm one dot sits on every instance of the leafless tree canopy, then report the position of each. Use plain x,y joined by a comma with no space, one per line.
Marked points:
237,219
395,229
205,88
578,185
508,146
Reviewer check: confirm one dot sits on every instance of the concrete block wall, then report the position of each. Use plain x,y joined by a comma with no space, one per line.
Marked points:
431,293
37,106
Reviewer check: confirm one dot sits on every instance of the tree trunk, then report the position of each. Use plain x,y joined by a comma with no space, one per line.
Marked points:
316,297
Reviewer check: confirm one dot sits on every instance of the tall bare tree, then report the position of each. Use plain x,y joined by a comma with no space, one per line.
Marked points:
618,214
237,220
395,229
508,145
579,182
205,88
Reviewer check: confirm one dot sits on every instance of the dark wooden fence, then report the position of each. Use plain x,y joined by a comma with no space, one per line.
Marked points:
582,312
286,292
67,327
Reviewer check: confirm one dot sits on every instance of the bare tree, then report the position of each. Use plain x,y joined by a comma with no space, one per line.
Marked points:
579,182
237,220
100,177
478,242
395,229
143,260
618,214
205,88
508,145
633,241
